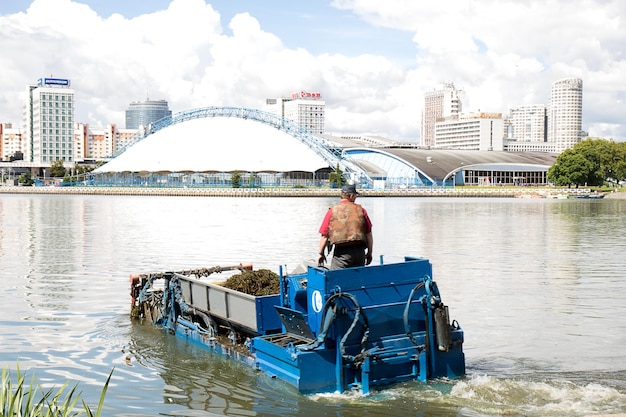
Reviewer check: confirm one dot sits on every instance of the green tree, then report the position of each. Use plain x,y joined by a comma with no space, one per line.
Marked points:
613,161
26,179
591,162
336,178
598,152
618,171
570,168
57,170
235,179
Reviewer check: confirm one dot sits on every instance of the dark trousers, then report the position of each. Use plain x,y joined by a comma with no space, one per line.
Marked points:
347,256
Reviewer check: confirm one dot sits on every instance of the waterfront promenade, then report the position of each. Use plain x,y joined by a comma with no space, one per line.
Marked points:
502,192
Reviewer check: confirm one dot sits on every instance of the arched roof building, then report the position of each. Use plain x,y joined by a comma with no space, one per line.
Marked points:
217,144
214,142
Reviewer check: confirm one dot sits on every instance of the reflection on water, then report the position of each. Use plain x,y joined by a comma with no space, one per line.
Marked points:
537,285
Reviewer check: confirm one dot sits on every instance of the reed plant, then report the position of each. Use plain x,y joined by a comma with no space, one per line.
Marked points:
22,399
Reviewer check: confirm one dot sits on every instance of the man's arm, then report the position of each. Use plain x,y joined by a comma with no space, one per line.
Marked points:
321,258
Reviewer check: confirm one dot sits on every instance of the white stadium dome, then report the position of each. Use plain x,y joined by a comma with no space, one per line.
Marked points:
217,144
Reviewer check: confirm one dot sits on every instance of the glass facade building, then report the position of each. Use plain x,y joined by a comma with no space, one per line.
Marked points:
141,114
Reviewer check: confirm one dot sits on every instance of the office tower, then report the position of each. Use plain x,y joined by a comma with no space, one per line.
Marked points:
439,104
565,113
49,121
141,114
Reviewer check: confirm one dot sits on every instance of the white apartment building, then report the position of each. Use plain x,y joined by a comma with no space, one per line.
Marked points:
49,122
565,113
10,141
306,109
442,103
528,123
473,131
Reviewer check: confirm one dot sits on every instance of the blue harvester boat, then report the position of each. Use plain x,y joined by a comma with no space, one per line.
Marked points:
326,331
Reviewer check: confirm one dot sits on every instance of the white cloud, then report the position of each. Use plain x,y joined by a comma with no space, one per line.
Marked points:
502,53
509,52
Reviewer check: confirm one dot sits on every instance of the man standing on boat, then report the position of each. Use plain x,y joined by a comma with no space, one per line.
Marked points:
348,229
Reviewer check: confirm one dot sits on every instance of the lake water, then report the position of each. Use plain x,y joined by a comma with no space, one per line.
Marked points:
538,285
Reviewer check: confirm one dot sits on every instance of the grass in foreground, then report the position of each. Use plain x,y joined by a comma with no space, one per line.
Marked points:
22,400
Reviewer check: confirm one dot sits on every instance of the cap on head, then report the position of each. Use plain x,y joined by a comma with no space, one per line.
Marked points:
349,189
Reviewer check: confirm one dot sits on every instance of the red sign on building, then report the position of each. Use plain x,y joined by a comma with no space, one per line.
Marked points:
306,94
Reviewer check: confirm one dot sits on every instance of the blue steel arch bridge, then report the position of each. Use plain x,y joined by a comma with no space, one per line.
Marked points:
327,150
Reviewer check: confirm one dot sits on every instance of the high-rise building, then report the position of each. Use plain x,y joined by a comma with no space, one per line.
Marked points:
528,123
141,114
49,121
305,108
439,104
565,113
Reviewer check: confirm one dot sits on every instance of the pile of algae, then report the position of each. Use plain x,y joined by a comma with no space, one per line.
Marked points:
257,283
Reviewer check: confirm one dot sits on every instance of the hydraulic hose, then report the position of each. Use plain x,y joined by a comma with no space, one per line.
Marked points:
329,315
407,309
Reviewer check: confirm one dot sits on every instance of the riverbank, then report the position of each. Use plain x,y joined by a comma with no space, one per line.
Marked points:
498,192
258,192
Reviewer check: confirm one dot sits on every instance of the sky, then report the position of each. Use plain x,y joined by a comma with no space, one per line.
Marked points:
371,60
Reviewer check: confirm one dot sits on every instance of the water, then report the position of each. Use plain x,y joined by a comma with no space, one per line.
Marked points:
537,285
